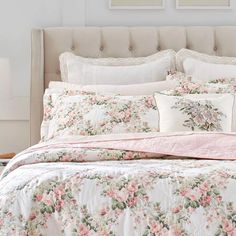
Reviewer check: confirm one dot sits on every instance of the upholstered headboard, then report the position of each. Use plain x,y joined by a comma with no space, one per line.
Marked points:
49,43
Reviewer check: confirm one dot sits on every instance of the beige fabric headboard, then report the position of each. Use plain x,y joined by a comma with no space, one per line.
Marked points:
49,43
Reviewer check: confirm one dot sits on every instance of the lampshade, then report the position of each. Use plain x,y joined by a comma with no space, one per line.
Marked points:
4,78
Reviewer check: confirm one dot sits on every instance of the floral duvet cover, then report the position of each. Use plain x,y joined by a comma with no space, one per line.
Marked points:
88,188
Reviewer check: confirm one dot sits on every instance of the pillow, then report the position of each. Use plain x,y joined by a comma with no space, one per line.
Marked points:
68,56
100,114
204,72
126,90
187,86
207,112
183,54
49,100
84,73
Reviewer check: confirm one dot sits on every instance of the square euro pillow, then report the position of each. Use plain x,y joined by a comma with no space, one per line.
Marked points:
205,67
67,57
88,115
200,113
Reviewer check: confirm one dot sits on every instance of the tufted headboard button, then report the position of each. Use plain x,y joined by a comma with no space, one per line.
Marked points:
72,48
130,48
215,48
101,48
158,48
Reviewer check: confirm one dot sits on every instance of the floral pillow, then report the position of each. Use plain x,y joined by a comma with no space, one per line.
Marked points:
204,112
103,114
187,86
49,100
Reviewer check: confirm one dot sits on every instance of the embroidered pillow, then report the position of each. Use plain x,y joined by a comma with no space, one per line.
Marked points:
100,114
204,112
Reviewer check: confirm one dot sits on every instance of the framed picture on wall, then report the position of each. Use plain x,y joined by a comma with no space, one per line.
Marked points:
203,4
137,4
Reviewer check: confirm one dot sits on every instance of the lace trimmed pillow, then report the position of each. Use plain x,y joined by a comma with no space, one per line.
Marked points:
68,56
204,112
99,114
205,67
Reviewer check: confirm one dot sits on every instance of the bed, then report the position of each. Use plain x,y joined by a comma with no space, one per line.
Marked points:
133,184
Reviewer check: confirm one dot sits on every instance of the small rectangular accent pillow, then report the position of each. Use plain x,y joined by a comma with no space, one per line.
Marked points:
123,90
130,61
195,112
100,114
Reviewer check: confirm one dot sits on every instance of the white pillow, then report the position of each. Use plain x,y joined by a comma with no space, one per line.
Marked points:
123,90
84,73
204,112
183,54
205,72
65,57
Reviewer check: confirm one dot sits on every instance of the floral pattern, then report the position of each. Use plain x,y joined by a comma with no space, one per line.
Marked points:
49,101
67,191
100,114
201,115
187,86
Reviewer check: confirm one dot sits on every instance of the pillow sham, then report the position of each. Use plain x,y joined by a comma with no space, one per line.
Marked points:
123,90
207,112
50,98
205,72
84,73
183,54
68,56
100,114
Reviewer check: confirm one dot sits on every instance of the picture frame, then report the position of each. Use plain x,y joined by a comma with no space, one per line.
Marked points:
136,4
204,4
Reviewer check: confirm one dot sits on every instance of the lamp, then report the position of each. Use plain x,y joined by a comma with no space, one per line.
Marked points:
4,78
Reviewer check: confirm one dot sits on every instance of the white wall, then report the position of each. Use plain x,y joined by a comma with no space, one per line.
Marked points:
18,17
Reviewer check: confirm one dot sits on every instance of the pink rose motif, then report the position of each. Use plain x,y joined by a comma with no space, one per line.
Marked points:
83,230
177,209
32,216
128,156
132,202
229,228
203,187
156,228
111,193
206,201
132,187
176,232
39,197
103,233
103,211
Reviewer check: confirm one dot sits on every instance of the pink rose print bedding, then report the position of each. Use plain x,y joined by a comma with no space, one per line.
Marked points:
132,184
